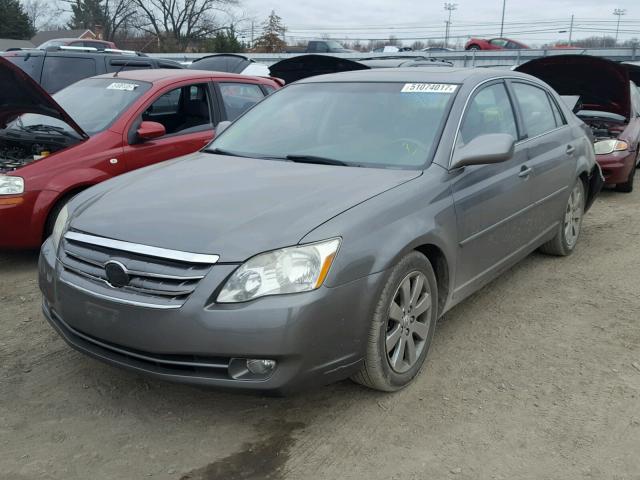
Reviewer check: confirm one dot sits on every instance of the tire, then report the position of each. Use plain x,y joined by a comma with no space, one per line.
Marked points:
391,369
627,187
566,239
474,47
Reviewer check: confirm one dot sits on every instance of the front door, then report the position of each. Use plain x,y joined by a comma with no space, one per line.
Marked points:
186,113
491,201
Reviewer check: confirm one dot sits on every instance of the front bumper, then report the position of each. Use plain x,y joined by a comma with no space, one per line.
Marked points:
617,166
316,337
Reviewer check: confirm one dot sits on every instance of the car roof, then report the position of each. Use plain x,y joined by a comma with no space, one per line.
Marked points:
418,74
168,75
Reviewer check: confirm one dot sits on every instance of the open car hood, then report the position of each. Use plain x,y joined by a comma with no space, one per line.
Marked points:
600,83
19,94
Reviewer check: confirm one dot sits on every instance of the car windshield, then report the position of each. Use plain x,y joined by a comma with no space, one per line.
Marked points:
94,104
390,125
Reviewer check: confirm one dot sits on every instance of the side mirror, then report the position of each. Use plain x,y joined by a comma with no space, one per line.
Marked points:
151,130
222,126
485,149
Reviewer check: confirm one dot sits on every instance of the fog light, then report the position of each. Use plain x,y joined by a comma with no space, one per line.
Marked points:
260,366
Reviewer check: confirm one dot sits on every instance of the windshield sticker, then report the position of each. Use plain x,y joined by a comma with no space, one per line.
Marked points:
428,88
129,87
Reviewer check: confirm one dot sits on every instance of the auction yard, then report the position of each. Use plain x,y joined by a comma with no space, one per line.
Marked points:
535,376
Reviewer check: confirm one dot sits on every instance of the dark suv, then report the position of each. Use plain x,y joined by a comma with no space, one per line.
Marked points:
54,70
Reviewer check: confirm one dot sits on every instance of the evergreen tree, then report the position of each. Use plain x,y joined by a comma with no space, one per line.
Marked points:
224,41
14,22
87,14
270,41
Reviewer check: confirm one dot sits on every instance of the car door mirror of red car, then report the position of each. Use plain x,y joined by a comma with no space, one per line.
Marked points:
485,149
151,130
222,126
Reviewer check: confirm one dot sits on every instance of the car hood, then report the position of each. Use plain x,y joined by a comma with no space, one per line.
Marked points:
230,206
600,83
19,94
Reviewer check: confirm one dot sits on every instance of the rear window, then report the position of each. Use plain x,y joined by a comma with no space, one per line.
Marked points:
59,72
29,63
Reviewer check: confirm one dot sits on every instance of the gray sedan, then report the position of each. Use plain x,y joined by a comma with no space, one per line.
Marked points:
321,235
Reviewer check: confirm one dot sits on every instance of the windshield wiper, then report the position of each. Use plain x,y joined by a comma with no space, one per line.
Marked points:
316,160
221,151
47,128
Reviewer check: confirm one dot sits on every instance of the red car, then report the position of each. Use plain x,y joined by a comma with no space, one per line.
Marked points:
53,147
604,96
77,42
494,44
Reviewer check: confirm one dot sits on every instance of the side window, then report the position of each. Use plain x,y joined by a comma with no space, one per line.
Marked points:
269,89
239,97
182,110
489,111
557,114
59,72
31,64
498,42
537,116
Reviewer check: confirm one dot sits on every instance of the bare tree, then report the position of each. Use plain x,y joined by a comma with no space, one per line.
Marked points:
110,15
176,23
44,14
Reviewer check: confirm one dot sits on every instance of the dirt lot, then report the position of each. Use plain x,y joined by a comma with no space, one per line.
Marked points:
537,376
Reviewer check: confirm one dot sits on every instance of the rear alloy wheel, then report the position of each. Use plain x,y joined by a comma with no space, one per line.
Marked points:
474,47
402,327
627,187
568,232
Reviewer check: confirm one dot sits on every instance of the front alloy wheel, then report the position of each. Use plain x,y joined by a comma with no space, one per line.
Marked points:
408,323
402,326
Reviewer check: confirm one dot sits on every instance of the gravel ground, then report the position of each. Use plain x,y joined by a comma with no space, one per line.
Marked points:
537,376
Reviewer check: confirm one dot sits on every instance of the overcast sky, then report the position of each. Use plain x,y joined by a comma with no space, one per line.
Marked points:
421,18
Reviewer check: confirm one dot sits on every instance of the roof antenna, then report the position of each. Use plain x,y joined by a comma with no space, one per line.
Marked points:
124,65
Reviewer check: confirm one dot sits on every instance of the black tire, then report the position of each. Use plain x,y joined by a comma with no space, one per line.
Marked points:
473,47
627,187
560,245
377,372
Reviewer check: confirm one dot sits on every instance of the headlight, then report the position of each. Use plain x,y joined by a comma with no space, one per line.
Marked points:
288,270
609,146
10,185
59,227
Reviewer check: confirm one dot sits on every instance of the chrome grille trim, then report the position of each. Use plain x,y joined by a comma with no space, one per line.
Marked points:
136,273
143,249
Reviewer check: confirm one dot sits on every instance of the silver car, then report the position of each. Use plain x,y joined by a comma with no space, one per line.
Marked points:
323,234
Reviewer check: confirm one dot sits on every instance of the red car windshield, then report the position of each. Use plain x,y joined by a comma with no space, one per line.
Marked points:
109,98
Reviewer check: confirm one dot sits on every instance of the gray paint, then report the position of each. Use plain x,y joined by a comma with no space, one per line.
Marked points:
483,218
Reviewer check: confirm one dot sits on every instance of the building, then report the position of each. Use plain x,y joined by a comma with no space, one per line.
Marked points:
7,43
46,35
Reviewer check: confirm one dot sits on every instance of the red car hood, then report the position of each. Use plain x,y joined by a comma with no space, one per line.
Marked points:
600,83
19,94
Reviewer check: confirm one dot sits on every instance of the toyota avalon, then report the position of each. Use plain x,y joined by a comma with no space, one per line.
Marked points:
323,233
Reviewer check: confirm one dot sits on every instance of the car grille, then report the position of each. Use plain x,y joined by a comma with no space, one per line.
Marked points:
164,282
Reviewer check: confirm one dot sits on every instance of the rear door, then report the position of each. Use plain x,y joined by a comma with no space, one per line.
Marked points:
491,201
186,111
551,151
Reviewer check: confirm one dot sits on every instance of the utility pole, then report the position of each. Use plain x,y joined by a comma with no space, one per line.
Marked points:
450,7
618,12
504,4
253,23
571,31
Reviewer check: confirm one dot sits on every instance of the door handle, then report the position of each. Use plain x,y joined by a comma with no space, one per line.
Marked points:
525,171
570,149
